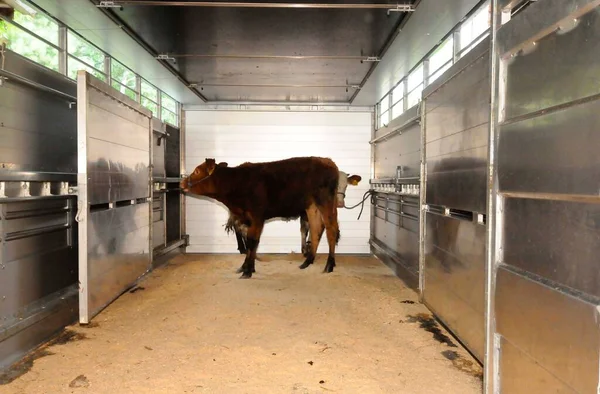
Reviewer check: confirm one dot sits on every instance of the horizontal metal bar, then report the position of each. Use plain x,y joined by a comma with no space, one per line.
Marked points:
117,3
382,180
10,76
169,248
396,130
275,85
270,57
167,180
30,176
5,200
37,231
593,199
402,214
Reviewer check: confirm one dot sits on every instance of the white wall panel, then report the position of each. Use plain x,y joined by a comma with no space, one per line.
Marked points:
238,136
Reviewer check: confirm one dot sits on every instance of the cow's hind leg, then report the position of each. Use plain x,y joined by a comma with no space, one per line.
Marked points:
316,231
241,242
252,241
304,234
329,213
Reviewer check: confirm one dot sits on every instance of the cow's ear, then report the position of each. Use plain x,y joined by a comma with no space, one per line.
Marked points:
354,179
210,166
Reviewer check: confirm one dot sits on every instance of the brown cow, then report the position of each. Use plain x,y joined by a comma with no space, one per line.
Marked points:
257,192
235,224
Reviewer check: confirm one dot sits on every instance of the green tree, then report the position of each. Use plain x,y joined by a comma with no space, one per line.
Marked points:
23,43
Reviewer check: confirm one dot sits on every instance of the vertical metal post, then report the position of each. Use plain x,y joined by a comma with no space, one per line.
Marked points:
422,202
138,95
405,94
82,195
182,218
108,69
495,207
456,45
63,56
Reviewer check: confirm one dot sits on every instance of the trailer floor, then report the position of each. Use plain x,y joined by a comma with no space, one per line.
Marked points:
194,327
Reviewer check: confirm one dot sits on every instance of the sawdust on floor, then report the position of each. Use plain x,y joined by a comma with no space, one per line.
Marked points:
194,327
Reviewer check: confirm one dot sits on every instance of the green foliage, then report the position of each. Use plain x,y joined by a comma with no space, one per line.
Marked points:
26,45
169,117
85,52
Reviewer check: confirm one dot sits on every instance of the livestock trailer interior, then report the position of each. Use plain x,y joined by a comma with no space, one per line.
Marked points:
465,137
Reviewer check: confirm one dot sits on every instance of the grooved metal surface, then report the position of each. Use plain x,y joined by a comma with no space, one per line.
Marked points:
455,277
456,135
114,195
38,245
546,291
555,329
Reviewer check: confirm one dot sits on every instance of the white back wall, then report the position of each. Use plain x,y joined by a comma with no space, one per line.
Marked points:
239,136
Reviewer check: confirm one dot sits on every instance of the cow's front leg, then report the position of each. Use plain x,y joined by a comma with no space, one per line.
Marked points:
252,241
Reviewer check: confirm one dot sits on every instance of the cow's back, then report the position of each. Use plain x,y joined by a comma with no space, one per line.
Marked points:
285,188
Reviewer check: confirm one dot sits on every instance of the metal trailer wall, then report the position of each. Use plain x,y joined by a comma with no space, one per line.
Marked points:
114,195
543,331
38,233
395,214
456,111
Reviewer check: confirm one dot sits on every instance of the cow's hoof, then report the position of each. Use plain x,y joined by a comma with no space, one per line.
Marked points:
328,269
246,275
241,269
305,265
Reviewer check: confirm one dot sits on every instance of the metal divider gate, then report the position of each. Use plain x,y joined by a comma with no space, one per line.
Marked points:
455,128
544,285
114,193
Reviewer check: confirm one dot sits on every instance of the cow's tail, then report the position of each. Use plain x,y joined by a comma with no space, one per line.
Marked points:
230,226
337,237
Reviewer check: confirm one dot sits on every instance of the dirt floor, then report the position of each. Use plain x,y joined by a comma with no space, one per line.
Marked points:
194,327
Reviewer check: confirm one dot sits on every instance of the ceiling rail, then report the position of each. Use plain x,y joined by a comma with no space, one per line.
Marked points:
238,4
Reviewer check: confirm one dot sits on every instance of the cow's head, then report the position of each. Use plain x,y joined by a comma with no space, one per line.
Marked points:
201,172
344,181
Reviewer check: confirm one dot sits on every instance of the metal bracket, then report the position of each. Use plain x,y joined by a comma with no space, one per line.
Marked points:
164,56
371,59
401,8
108,4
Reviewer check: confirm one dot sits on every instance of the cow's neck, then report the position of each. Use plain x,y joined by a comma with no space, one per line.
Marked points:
216,186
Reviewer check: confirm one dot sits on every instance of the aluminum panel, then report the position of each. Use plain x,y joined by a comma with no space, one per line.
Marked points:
118,247
116,172
403,242
557,240
557,82
57,314
113,168
400,150
458,180
454,277
557,331
37,255
32,121
456,121
520,374
552,153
